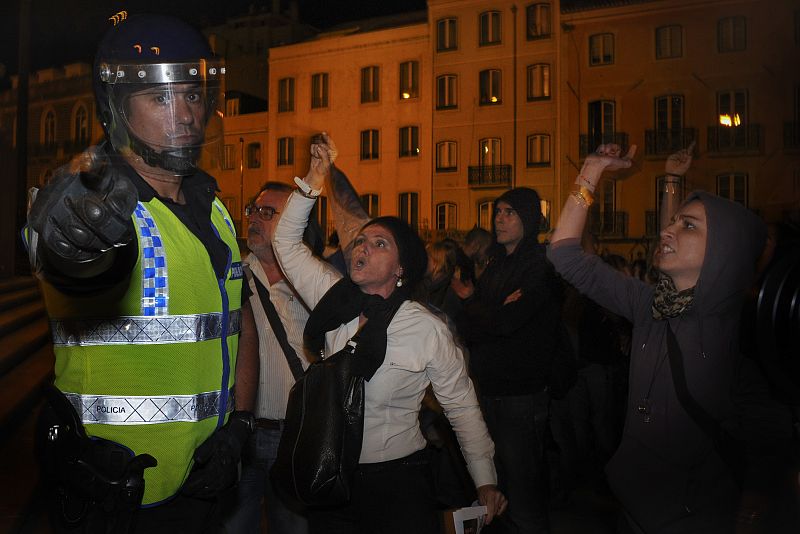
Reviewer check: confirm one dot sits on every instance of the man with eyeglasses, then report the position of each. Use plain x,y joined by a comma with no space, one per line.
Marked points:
275,377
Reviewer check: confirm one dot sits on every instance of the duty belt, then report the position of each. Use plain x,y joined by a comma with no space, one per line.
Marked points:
141,330
146,410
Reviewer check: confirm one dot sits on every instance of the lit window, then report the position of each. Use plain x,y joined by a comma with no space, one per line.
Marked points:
446,35
319,90
601,49
538,82
286,151
490,87
538,19
489,28
370,85
446,87
369,144
409,141
286,94
669,42
232,107
409,79
446,156
485,214
489,152
538,150
253,155
731,34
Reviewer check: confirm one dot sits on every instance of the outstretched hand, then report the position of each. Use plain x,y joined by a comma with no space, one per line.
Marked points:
323,153
606,158
678,163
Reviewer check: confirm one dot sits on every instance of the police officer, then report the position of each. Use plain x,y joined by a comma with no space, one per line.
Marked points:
142,280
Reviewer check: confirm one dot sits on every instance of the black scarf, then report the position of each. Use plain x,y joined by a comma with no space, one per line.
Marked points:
341,304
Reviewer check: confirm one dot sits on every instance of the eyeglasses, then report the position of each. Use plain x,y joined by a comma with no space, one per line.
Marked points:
265,212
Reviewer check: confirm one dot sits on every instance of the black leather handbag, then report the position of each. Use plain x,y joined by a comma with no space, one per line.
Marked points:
321,441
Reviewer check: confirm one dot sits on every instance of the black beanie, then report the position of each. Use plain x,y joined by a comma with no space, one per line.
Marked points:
410,249
527,204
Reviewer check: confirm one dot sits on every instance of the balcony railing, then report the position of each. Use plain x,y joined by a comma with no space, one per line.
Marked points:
590,143
744,138
791,135
666,142
490,175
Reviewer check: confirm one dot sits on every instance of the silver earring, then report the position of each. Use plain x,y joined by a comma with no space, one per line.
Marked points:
399,282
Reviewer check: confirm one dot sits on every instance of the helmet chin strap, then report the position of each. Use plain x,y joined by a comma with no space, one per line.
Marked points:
181,161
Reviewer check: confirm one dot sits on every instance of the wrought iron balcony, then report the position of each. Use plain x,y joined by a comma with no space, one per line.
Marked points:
791,135
666,142
743,138
490,175
589,143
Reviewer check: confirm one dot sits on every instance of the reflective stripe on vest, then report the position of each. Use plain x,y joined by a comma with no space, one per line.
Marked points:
142,410
137,330
222,212
155,287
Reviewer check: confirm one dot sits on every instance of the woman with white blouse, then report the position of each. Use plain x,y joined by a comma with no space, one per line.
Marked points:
404,348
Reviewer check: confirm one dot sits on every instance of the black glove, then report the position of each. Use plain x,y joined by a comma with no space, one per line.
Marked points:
216,460
85,211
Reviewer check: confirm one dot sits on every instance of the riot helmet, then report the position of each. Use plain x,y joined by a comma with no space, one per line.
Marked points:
158,87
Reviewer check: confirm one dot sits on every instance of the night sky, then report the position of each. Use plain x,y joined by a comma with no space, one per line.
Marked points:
63,31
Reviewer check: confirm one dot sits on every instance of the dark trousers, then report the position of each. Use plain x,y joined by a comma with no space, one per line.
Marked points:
394,497
517,425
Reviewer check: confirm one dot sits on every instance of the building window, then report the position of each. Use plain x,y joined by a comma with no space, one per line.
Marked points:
489,28
732,131
319,90
446,35
409,79
490,87
601,123
253,155
369,144
733,186
538,21
446,156
446,91
538,82
660,192
370,85
286,151
49,128
409,141
669,112
286,94
231,107
546,209
669,42
370,204
409,209
538,150
446,216
731,34
229,157
601,49
80,132
486,214
489,152
320,211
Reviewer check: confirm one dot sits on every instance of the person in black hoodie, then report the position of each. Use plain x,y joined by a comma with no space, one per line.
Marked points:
512,320
669,474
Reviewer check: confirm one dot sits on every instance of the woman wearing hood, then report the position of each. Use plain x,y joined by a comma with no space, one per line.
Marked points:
402,348
668,473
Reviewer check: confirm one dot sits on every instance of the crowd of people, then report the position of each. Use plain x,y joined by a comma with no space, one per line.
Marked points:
510,369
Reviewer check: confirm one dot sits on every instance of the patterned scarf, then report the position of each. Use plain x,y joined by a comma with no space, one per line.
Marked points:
668,301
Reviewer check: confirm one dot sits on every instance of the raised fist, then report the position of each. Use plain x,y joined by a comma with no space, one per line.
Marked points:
86,210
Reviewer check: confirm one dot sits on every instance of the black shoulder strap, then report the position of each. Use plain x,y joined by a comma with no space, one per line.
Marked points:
277,326
704,420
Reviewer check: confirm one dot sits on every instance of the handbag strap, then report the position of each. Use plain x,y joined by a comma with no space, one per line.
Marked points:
277,327
704,420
